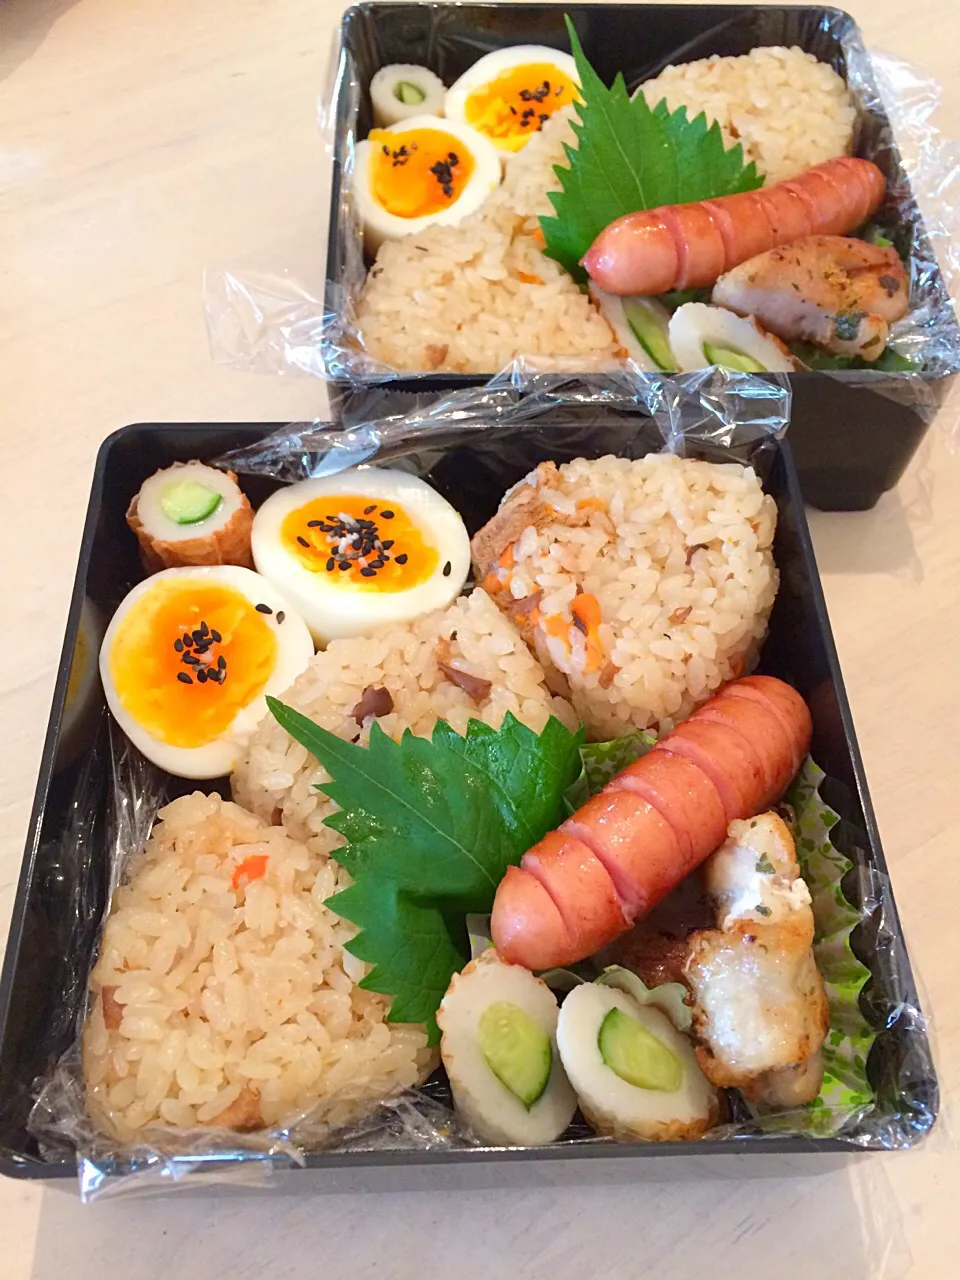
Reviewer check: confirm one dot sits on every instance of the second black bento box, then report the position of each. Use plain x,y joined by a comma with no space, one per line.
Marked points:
64,879
853,432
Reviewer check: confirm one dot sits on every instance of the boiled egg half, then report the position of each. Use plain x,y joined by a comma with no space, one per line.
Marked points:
421,171
357,550
188,659
510,94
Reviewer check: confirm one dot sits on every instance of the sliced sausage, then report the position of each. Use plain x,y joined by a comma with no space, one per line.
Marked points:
681,794
634,842
580,887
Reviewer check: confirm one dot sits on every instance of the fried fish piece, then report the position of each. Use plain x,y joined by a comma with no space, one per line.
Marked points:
760,1012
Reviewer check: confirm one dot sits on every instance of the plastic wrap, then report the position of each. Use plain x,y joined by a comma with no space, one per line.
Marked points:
272,322
881,1091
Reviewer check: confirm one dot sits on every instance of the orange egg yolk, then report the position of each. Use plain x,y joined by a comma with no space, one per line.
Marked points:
157,673
418,172
518,103
359,544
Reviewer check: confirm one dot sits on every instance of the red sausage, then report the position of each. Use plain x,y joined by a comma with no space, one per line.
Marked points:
634,842
786,704
682,795
700,246
742,224
526,926
578,883
727,759
759,725
624,850
634,254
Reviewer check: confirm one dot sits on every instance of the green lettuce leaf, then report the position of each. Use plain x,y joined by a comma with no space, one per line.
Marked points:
630,157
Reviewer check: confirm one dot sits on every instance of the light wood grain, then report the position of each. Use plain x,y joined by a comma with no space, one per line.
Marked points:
141,142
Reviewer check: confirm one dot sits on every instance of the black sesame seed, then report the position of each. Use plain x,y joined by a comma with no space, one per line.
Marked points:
178,645
402,559
216,636
197,637
330,563
263,608
303,542
190,660
387,515
221,663
367,510
344,564
368,572
376,564
187,639
446,569
280,615
201,677
204,629
184,678
387,545
314,524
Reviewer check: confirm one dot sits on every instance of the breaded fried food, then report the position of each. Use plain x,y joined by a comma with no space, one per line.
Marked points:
760,1012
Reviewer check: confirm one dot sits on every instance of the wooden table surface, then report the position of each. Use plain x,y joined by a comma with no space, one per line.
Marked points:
143,141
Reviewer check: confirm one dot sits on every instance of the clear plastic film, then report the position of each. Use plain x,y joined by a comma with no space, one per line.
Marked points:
472,446
281,322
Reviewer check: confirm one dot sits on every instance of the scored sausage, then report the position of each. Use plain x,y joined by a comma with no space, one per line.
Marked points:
624,850
689,246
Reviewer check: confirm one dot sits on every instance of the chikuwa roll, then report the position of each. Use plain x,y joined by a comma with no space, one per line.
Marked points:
191,514
403,90
635,1074
498,1044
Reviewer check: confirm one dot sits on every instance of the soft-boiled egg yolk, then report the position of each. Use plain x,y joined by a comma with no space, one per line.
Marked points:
156,672
518,103
418,172
330,535
361,549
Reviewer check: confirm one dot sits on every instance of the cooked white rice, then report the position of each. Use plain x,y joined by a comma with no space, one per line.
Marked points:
788,110
277,778
678,555
468,298
235,1006
471,298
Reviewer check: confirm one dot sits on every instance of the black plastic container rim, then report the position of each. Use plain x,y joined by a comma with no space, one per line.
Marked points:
332,1160
427,382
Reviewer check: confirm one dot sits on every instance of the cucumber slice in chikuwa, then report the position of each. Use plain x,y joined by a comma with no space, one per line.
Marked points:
411,95
189,502
516,1050
636,1076
498,1043
636,1055
648,320
730,359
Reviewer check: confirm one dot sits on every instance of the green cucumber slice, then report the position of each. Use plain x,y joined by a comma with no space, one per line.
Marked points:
189,501
411,95
649,332
516,1050
730,359
636,1055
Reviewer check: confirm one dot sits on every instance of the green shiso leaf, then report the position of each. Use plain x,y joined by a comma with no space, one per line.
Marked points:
630,157
431,826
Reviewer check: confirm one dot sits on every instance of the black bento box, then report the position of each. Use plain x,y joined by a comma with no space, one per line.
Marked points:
852,433
63,882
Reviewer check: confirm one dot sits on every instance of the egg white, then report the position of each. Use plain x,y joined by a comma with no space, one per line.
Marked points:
330,607
293,654
494,64
379,225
